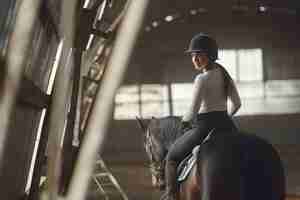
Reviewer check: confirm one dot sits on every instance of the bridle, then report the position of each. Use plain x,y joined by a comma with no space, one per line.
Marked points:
156,166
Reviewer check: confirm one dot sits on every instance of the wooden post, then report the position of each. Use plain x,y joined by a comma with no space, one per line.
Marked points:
16,59
97,126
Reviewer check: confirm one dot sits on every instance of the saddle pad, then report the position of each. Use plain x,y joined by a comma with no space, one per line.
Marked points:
187,164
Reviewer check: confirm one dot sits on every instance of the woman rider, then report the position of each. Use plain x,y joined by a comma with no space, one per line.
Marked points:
208,110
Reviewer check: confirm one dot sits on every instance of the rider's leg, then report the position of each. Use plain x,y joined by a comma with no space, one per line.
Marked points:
172,187
185,144
178,151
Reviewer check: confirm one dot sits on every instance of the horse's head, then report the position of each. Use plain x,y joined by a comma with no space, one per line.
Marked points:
159,134
155,150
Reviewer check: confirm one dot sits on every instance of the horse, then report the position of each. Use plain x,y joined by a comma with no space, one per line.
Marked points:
229,165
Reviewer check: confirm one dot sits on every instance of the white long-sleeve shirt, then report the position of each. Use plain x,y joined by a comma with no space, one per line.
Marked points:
209,94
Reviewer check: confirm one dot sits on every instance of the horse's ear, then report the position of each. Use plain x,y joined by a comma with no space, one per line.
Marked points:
154,120
141,124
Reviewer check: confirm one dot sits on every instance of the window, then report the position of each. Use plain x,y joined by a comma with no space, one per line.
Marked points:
142,100
181,97
127,103
244,65
250,65
246,68
228,59
154,100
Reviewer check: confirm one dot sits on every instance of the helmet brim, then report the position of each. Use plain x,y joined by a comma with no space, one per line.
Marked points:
189,51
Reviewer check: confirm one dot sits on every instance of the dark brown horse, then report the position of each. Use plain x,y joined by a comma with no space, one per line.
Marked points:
230,166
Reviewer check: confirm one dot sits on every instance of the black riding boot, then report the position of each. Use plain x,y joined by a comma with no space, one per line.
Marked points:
172,187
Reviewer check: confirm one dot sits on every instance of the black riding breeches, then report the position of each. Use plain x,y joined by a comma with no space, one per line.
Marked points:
201,127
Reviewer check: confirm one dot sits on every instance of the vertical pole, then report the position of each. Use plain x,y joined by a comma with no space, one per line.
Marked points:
68,148
60,97
71,139
43,138
58,110
98,123
140,103
170,98
17,55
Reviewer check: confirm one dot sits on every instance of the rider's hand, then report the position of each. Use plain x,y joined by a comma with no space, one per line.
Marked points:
185,126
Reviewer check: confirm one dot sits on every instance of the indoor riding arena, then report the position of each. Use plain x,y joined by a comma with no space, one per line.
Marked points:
81,81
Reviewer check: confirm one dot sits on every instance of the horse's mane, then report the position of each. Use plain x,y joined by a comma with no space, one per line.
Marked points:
166,129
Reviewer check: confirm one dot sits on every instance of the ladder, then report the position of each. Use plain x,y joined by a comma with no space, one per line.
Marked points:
107,184
94,61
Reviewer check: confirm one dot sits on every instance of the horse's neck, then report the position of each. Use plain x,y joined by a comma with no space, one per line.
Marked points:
170,131
172,139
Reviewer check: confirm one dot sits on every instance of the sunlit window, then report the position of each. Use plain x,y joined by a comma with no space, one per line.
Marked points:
251,89
127,103
250,65
181,97
154,100
142,100
228,59
243,64
246,68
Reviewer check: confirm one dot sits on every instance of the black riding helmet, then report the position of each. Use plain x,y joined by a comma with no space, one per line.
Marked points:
203,43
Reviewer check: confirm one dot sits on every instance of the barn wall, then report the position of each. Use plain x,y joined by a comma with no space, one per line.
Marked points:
159,56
